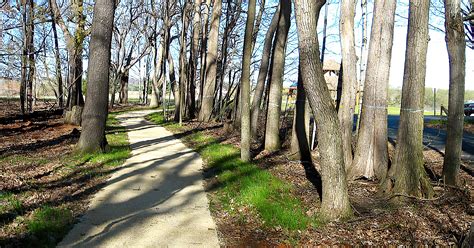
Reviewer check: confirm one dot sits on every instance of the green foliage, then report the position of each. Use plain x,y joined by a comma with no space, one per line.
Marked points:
10,203
241,185
49,225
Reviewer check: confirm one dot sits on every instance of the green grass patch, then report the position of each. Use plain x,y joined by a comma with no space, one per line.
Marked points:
45,225
118,149
444,122
48,225
245,185
10,203
396,111
158,118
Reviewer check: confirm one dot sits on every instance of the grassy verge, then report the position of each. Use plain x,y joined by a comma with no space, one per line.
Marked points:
444,122
241,188
45,221
396,111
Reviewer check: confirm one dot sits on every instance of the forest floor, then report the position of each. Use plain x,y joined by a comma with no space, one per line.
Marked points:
443,220
44,183
45,186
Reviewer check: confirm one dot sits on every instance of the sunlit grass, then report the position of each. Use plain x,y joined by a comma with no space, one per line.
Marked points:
158,118
445,122
245,185
46,224
391,110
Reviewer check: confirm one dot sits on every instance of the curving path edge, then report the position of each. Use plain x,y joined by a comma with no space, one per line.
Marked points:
156,199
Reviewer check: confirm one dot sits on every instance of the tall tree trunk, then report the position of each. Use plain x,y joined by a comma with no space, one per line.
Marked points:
211,64
349,77
146,81
272,131
203,70
335,200
225,39
24,58
263,72
155,88
174,88
325,28
457,62
123,92
123,98
258,21
75,97
371,155
194,54
245,83
115,82
74,44
407,174
31,55
57,57
95,111
362,60
182,64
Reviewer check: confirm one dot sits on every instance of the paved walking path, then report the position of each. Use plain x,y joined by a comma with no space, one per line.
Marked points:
156,199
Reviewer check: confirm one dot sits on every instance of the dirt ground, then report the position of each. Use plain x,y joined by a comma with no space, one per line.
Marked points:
441,221
33,168
39,170
11,107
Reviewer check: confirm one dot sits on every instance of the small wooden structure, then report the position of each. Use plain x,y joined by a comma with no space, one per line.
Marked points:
331,70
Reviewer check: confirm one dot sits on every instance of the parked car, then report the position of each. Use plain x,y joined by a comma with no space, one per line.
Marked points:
469,108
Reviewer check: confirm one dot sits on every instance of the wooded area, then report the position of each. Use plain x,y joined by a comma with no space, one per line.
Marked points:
261,76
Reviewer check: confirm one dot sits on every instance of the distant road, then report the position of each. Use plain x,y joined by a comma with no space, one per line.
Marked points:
435,138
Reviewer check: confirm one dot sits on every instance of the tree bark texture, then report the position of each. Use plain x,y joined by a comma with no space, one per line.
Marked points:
349,77
272,130
335,200
457,62
94,115
182,64
31,55
203,58
407,174
59,77
245,139
74,45
194,54
24,58
211,64
155,88
263,72
371,154
174,88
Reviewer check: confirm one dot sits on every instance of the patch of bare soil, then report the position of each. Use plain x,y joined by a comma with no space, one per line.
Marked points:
441,221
